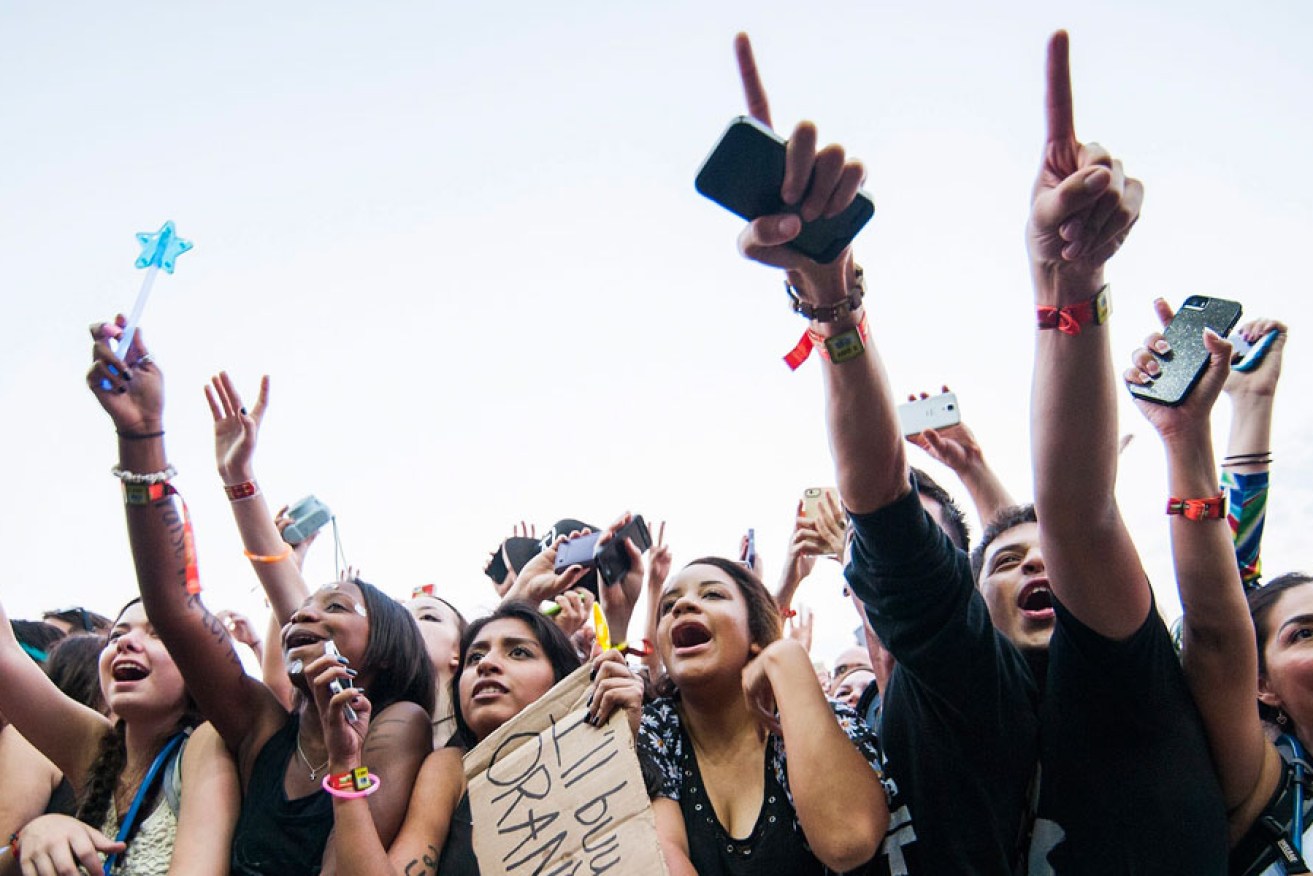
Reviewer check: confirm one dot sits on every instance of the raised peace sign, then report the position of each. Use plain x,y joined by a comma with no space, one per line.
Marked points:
1083,205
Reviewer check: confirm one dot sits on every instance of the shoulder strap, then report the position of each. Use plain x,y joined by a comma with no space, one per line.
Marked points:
1278,832
173,775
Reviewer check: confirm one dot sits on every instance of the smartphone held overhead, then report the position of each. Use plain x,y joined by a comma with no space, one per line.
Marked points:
744,174
610,559
937,412
1181,368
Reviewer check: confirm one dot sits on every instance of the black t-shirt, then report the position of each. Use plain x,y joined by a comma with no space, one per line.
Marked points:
1128,784
959,723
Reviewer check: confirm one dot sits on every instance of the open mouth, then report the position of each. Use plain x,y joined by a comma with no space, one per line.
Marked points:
1036,598
128,671
488,688
300,638
689,634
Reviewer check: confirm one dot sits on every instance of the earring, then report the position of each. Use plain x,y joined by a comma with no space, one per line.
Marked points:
1282,718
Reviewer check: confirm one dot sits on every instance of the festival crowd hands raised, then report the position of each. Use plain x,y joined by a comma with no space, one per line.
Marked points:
1042,633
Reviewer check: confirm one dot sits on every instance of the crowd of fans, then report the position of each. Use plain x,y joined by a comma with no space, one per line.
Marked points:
1016,705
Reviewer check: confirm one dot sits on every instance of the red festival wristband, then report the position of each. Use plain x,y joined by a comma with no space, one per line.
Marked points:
1213,508
244,490
839,348
141,494
1069,320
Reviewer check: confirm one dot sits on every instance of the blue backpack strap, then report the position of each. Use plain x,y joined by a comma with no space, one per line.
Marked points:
1277,834
167,753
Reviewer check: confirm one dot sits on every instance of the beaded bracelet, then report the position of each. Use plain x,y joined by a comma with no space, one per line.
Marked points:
155,477
275,558
1212,508
244,490
360,782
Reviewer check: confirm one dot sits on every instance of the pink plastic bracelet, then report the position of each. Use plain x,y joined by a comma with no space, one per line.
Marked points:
352,795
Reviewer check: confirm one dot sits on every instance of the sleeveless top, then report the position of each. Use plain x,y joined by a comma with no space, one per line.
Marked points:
457,858
276,836
151,849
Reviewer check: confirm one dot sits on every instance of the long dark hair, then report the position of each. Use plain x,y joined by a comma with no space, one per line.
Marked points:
555,644
112,757
395,655
74,667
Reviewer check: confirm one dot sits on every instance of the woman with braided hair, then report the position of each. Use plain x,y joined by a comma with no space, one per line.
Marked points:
157,791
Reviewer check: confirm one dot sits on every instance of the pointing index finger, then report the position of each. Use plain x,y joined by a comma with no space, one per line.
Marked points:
1057,98
753,91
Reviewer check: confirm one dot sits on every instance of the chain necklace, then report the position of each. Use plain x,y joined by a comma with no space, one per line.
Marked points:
315,771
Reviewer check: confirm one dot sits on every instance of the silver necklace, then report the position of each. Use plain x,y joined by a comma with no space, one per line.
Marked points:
315,771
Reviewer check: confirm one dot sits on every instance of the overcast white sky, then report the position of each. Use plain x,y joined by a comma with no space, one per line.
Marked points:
463,240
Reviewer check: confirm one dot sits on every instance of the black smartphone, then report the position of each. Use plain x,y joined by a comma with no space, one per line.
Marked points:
578,551
744,174
1185,364
613,560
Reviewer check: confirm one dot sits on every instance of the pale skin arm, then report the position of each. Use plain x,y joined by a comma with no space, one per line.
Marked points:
1219,653
1082,209
865,438
235,434
1252,395
207,813
673,836
838,797
62,729
30,780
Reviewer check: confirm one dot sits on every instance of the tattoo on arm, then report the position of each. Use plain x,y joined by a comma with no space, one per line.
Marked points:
429,862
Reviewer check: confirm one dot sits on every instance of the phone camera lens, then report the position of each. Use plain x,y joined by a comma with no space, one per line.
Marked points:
950,407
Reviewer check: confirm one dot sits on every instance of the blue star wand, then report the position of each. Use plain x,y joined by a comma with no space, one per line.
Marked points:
158,250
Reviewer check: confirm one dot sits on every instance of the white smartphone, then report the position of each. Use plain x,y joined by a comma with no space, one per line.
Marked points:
937,412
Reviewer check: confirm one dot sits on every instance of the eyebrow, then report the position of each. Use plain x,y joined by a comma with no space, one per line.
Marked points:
1297,619
1010,546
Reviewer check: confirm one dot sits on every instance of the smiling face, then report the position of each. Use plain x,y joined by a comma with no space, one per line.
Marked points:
137,674
1286,681
1016,589
335,611
440,627
703,632
506,669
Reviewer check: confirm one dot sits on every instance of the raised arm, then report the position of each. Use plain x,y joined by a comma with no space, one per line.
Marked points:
236,432
957,448
865,438
1082,208
64,730
163,549
1248,461
1219,653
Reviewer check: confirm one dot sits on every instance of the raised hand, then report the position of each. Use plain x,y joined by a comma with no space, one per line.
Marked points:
343,737
240,628
576,610
619,597
658,563
235,430
281,521
1083,205
614,687
800,627
1193,414
1261,381
538,581
816,183
131,391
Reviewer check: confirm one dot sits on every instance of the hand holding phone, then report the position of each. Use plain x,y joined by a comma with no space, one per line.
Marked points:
336,686
935,412
1181,368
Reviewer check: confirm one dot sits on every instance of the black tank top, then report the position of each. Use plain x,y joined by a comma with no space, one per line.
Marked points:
457,858
276,836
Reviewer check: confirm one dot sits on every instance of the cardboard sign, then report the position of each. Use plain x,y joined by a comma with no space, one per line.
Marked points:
551,795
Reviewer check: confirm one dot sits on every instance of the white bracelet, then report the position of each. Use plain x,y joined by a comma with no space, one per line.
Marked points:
131,477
